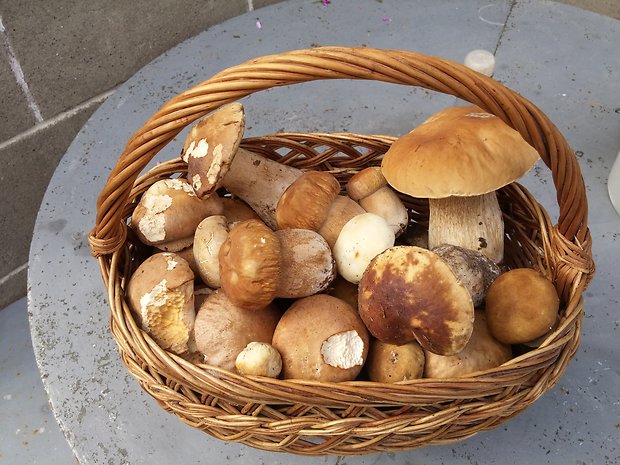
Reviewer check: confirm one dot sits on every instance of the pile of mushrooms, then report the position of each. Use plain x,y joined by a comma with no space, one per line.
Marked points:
268,270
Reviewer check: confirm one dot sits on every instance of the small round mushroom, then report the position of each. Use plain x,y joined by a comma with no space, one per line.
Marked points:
522,305
259,359
457,159
473,269
344,290
215,160
321,338
482,352
222,329
313,202
236,210
361,239
169,212
258,265
208,239
160,294
391,363
370,189
408,293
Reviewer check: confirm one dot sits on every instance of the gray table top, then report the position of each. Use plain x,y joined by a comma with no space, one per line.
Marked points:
564,59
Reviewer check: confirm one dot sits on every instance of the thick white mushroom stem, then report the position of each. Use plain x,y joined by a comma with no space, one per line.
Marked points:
474,223
260,182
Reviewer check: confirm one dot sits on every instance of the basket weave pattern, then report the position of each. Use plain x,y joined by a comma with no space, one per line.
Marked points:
356,417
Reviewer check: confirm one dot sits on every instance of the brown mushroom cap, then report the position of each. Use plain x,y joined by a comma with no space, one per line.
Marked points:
482,352
169,212
305,203
222,329
408,293
366,182
160,294
211,146
460,151
236,210
208,239
391,363
522,305
250,265
321,338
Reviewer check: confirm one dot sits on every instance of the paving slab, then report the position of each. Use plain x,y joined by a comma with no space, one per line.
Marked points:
15,116
101,409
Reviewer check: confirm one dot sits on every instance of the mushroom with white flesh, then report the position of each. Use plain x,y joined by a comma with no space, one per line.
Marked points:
222,329
457,159
361,239
258,264
169,211
321,338
482,352
215,160
473,269
160,294
391,363
208,239
370,189
522,305
408,293
314,202
259,359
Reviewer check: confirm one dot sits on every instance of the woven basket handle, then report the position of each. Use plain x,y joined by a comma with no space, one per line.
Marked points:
393,66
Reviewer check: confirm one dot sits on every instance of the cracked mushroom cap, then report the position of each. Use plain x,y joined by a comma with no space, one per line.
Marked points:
460,151
408,293
160,294
482,352
250,265
321,338
210,147
208,239
169,212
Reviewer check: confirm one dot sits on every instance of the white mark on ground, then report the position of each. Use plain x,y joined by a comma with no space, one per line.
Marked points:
483,19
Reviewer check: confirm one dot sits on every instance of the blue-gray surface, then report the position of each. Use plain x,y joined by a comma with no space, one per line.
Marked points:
563,59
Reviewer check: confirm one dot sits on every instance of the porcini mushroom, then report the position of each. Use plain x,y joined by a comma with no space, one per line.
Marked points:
258,264
313,202
482,352
408,293
457,159
473,269
391,363
208,239
215,160
361,239
370,189
259,359
222,329
168,213
321,338
160,294
522,305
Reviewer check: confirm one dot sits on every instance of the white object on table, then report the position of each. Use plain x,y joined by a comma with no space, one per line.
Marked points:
613,184
480,60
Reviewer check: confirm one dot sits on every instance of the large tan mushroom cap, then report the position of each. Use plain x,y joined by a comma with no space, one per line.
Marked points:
408,293
160,294
211,146
321,338
169,212
307,201
482,352
460,151
250,264
222,329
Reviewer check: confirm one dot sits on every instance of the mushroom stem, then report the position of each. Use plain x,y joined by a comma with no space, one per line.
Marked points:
260,182
474,223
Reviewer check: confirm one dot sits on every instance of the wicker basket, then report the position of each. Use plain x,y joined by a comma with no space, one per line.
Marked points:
357,417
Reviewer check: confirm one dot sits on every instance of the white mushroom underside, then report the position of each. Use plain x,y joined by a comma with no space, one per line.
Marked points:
152,224
343,350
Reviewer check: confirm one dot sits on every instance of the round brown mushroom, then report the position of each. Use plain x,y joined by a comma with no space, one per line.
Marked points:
160,294
482,352
208,239
169,212
522,305
408,293
457,159
391,363
222,329
321,338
